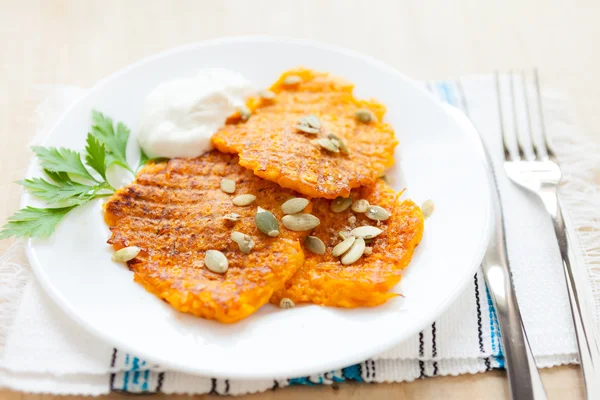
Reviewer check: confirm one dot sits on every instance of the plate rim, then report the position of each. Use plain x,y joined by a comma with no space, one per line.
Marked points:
358,356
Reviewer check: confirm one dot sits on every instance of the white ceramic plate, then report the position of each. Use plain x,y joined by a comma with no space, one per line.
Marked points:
439,158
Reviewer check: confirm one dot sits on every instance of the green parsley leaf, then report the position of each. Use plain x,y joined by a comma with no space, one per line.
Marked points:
65,191
143,158
58,177
114,140
34,222
96,155
62,160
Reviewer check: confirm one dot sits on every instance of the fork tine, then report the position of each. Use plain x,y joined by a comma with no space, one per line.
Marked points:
536,151
549,151
513,97
507,155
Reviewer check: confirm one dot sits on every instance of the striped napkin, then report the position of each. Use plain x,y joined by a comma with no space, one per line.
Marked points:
41,350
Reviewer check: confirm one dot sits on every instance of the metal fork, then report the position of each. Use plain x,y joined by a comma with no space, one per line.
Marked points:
536,169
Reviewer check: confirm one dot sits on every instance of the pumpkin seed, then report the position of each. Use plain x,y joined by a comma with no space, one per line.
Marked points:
366,232
309,124
228,185
315,245
266,222
232,217
355,252
368,250
243,200
216,261
343,246
126,254
245,113
292,80
377,213
360,206
294,205
428,207
244,242
266,95
328,145
340,204
300,222
345,234
339,143
307,129
286,303
364,116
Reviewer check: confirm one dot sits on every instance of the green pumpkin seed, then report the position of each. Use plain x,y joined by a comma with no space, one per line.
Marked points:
328,145
232,217
366,232
243,200
300,222
360,206
294,205
266,222
216,261
377,213
315,245
368,250
266,95
244,242
286,303
126,254
307,129
228,185
343,247
292,80
345,234
309,124
340,204
355,252
428,207
339,143
364,116
245,113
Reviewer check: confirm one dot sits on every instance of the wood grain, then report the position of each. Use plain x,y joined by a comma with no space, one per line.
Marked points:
79,42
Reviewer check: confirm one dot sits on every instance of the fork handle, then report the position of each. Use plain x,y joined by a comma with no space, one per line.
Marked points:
583,320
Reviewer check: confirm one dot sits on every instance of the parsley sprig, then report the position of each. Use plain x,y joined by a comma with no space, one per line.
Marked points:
69,183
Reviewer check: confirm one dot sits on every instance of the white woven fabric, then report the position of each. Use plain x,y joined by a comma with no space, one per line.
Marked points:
41,350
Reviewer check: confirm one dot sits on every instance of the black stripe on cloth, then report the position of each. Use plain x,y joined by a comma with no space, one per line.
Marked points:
434,348
479,323
367,367
421,354
161,378
373,366
112,365
488,364
213,387
275,384
226,386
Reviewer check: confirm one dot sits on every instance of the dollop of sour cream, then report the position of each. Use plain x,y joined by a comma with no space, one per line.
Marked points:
180,116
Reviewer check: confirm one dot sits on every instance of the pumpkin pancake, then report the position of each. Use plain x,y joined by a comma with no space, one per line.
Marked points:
324,280
270,144
174,212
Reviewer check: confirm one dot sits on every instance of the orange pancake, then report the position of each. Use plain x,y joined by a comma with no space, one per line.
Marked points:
174,213
324,280
270,145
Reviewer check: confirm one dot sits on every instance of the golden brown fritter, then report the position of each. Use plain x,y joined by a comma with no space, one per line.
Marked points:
174,213
270,145
324,280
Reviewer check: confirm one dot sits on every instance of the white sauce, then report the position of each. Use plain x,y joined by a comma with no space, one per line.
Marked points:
180,116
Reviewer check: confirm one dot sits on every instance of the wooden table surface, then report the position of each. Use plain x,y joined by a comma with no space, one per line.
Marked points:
79,42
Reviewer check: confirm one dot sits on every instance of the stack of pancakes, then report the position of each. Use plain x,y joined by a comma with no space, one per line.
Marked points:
174,210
